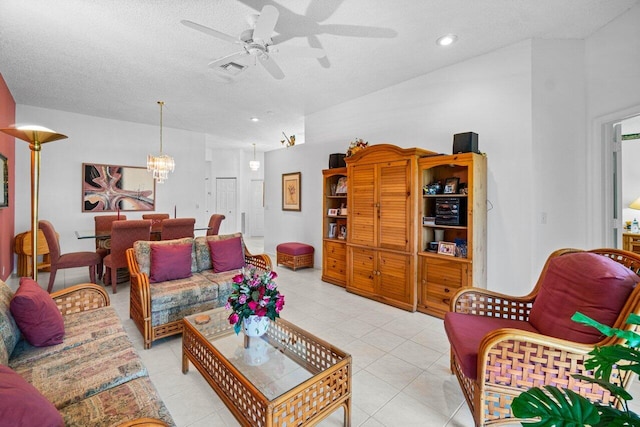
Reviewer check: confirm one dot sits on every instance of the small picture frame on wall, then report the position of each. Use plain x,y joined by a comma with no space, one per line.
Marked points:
451,185
447,248
291,192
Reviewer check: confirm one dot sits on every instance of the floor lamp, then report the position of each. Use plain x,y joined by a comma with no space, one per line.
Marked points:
35,136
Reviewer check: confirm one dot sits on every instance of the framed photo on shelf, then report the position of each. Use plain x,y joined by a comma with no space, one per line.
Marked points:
332,212
451,185
291,192
332,230
447,248
341,187
343,232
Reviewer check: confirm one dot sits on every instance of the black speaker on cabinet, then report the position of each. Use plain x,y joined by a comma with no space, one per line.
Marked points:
466,142
336,160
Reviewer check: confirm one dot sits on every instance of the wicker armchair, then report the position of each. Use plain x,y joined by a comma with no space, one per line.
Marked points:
497,351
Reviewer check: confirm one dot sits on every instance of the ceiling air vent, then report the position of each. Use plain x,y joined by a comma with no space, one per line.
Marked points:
232,68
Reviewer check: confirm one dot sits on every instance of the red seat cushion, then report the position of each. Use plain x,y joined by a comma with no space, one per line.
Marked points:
36,314
21,404
170,262
589,283
465,332
226,254
294,248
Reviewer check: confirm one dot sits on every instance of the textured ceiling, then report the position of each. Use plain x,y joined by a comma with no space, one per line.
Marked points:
116,58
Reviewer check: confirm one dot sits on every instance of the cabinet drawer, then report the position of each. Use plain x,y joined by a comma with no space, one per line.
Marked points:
448,273
439,296
335,250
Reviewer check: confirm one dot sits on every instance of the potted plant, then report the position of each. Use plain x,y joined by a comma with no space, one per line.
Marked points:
562,407
255,300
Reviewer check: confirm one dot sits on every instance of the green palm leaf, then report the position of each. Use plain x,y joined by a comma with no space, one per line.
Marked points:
554,407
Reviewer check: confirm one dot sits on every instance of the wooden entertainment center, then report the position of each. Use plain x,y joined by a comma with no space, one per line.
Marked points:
397,201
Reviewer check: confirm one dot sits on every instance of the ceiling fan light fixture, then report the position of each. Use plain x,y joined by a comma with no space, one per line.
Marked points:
446,40
162,164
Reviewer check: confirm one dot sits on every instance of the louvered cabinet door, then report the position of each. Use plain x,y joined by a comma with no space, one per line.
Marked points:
362,210
394,205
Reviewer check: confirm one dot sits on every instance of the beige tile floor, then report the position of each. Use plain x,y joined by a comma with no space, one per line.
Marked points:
401,371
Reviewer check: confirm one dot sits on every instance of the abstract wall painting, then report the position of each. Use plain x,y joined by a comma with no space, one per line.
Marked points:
111,188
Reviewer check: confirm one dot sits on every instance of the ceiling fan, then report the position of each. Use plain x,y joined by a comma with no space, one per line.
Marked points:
257,45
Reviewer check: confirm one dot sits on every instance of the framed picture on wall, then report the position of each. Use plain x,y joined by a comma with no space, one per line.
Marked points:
291,183
109,188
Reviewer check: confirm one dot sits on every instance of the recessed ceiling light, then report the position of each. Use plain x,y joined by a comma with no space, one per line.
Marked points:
255,119
446,40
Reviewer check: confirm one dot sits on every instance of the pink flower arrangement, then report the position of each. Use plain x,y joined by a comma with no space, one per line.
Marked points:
254,292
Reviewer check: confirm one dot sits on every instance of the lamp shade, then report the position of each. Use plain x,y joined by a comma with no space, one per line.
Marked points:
635,204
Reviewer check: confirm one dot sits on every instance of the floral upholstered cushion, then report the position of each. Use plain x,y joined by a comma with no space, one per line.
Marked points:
135,399
203,253
21,404
9,332
142,251
36,314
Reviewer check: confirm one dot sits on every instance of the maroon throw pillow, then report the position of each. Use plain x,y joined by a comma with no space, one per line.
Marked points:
170,262
227,254
36,314
589,283
21,404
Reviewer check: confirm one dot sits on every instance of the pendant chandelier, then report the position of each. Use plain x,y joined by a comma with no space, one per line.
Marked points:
161,164
254,164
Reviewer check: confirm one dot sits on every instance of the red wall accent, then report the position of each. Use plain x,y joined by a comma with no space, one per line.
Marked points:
7,149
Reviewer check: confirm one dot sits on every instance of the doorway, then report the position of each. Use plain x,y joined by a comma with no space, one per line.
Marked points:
623,145
226,204
256,224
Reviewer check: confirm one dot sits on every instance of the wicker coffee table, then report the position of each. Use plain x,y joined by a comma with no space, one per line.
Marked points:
287,377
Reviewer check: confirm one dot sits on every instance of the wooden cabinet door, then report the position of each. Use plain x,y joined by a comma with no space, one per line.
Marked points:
441,279
394,201
362,210
394,279
362,275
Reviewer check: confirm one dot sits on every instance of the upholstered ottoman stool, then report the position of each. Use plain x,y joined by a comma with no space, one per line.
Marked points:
294,255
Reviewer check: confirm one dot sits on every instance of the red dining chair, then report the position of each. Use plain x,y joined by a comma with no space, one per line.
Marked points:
69,260
156,219
102,230
123,236
177,228
214,224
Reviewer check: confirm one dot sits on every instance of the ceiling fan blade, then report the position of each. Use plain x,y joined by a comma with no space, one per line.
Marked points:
266,23
226,59
270,65
300,51
210,31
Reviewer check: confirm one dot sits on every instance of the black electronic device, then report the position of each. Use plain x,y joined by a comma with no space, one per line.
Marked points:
466,142
451,211
336,160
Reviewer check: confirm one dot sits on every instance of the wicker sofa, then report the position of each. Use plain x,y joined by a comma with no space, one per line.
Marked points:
93,377
158,308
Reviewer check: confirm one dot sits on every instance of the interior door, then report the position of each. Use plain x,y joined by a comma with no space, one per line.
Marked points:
616,168
226,204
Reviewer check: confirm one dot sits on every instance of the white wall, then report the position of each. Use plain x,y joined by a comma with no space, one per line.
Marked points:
97,140
490,95
613,86
531,103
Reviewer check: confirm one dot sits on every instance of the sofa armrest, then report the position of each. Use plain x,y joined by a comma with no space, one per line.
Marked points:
482,302
521,359
144,422
83,297
262,261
